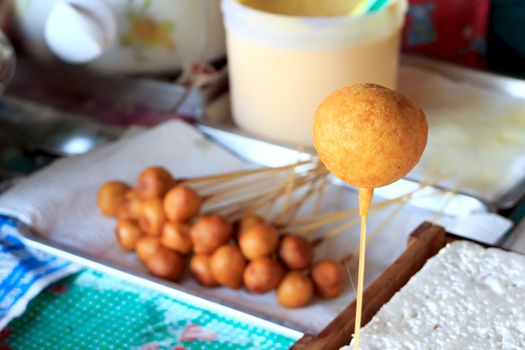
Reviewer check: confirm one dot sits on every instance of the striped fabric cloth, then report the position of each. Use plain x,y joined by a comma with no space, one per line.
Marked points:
24,272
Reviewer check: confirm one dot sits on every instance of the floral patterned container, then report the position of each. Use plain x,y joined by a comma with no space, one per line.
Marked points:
122,35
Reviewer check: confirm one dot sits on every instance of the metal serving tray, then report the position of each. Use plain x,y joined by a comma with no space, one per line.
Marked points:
258,152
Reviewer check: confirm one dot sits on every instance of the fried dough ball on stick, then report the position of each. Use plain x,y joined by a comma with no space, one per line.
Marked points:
176,236
128,234
369,136
262,275
110,197
165,263
154,182
181,203
296,252
130,206
201,270
295,290
210,232
152,217
328,278
247,221
258,240
146,246
227,266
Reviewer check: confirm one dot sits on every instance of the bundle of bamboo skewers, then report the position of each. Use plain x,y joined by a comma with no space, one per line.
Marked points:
237,229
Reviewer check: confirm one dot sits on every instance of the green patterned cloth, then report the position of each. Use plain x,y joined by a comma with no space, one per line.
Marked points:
91,310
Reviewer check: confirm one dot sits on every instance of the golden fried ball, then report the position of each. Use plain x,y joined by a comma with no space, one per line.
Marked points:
146,246
296,251
210,232
176,236
262,275
154,182
249,220
259,240
165,263
227,266
201,270
368,135
110,197
130,206
152,217
329,279
295,290
128,234
181,203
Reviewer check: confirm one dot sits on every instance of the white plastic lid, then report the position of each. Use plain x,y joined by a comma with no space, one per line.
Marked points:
312,33
78,31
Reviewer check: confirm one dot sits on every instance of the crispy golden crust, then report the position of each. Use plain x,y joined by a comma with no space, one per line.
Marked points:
368,135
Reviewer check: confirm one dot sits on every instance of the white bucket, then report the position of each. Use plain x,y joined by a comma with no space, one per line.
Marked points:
281,67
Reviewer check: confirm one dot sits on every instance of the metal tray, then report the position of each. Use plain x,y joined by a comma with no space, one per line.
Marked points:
258,152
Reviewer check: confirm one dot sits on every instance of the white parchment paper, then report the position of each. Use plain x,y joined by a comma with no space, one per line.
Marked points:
476,135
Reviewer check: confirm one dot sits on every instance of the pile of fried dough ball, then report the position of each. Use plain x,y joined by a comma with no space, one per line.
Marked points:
161,221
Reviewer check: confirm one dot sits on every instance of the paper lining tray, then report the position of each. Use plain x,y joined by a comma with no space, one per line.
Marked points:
252,308
469,98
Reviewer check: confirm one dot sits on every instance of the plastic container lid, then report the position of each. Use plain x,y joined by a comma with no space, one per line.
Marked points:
312,33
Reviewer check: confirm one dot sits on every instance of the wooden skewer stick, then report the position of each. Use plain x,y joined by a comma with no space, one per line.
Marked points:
375,233
296,207
325,218
299,184
241,205
290,184
341,228
243,173
441,210
240,186
320,195
246,193
344,227
268,200
336,216
254,204
268,207
257,182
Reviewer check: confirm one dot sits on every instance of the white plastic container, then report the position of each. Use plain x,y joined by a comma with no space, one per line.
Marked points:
281,67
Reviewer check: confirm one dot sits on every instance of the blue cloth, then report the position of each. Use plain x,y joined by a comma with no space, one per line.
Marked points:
24,271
